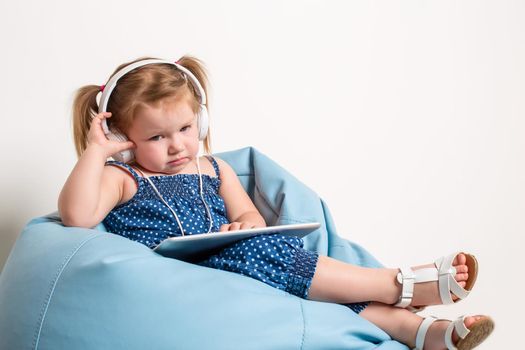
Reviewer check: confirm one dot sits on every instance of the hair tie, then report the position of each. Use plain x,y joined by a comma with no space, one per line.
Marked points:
102,87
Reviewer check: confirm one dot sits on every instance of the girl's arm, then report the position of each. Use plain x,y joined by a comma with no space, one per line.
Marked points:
240,209
92,189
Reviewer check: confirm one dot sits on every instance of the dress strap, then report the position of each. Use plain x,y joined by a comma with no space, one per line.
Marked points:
125,166
215,165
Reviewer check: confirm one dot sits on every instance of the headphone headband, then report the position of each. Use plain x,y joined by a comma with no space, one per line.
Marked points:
116,135
112,83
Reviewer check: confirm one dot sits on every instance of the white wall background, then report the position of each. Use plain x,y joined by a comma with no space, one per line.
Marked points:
407,117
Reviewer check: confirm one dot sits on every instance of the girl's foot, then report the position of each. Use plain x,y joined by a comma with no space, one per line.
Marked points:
443,282
479,328
427,293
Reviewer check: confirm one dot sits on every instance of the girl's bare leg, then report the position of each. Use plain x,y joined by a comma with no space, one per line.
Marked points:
402,325
339,282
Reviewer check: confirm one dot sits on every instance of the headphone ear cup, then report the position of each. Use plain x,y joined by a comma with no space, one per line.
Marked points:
203,122
125,156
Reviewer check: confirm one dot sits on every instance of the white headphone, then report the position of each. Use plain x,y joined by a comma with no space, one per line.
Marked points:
115,135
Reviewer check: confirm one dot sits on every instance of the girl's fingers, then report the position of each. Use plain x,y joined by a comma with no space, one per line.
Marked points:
235,226
104,115
230,227
97,120
246,225
97,135
101,116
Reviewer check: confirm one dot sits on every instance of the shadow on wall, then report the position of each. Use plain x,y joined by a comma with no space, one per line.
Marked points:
14,215
10,228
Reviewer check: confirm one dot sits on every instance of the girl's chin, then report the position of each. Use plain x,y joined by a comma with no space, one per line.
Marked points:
167,170
170,168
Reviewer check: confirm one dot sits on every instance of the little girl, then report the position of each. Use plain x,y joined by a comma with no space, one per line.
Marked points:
150,118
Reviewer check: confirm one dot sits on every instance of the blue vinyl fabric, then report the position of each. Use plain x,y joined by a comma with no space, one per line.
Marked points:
75,288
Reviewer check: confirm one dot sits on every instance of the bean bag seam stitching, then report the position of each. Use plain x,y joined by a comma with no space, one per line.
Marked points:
53,285
304,324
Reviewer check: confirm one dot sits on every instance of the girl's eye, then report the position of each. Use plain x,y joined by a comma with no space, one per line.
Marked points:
155,138
186,128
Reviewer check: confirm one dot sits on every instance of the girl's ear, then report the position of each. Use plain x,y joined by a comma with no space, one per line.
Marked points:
126,155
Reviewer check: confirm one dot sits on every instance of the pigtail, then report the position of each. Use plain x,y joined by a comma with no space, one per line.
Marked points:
198,69
85,107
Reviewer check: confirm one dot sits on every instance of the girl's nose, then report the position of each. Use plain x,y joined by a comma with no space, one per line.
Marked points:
176,145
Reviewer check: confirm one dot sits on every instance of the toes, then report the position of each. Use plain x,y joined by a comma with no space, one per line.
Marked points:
461,277
461,268
460,259
462,284
469,321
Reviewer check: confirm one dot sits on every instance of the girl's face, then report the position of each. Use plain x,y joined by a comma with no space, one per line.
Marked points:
165,135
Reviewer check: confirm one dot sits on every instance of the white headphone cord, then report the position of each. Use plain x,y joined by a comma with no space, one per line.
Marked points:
202,196
166,203
173,211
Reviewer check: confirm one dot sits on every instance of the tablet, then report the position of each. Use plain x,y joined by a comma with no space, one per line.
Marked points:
197,247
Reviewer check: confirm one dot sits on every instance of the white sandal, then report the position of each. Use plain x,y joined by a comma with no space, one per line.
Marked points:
444,273
469,338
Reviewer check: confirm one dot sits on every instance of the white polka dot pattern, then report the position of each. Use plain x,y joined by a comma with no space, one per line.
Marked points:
145,219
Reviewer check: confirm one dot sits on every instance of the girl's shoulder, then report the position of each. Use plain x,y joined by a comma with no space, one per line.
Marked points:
124,176
121,171
225,170
214,166
219,163
208,165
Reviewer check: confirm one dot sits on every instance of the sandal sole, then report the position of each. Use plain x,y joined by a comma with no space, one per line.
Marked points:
472,264
479,331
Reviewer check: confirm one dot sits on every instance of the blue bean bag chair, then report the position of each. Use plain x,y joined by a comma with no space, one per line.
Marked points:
76,288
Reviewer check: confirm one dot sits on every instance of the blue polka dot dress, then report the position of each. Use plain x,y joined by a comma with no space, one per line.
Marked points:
277,260
147,220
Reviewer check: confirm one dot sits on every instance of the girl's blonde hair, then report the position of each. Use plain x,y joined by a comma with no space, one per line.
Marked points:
145,85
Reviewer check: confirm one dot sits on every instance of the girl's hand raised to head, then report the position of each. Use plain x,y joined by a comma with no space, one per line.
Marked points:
238,226
97,138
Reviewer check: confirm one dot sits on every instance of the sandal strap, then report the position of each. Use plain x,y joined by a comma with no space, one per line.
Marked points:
406,278
443,273
427,274
461,330
447,282
422,331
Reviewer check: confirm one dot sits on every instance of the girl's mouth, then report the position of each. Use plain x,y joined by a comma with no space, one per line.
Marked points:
178,161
